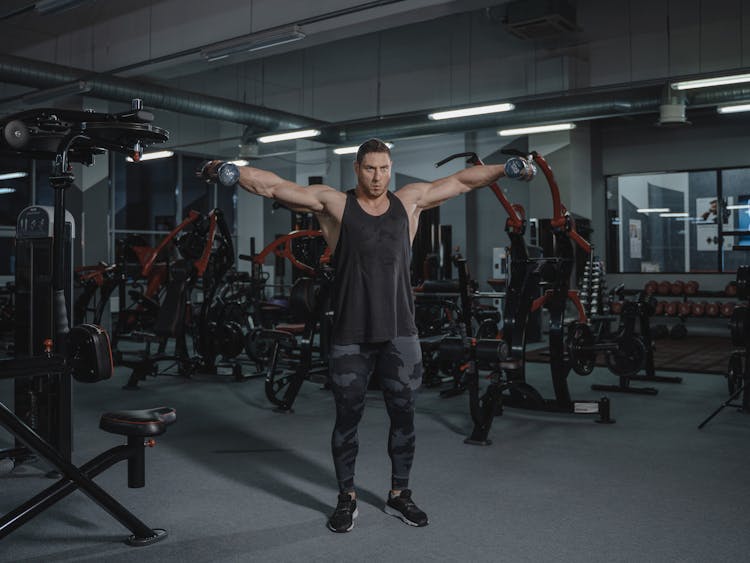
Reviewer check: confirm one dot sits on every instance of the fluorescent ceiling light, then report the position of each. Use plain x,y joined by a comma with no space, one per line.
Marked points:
743,206
241,162
536,129
253,42
708,82
352,150
734,108
13,175
151,156
653,210
304,134
4,191
465,112
674,214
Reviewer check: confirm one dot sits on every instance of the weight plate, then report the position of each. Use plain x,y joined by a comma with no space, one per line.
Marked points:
580,345
734,373
738,326
629,358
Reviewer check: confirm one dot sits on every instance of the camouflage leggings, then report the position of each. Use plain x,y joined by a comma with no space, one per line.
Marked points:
398,364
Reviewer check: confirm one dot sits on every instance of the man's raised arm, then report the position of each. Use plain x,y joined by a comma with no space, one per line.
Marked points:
267,184
431,194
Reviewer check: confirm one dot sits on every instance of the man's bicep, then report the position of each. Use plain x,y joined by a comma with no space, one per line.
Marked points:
311,198
434,193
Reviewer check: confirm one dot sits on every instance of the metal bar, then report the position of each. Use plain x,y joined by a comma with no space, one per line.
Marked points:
58,491
17,427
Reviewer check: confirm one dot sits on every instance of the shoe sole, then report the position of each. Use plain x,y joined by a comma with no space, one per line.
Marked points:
393,512
350,528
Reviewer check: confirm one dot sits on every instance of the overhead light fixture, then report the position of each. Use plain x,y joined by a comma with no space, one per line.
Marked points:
56,6
537,129
352,150
151,156
241,162
13,175
736,107
304,134
466,112
708,82
674,214
6,191
742,206
49,94
253,42
653,210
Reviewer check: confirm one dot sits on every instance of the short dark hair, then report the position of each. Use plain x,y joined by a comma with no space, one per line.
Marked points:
371,145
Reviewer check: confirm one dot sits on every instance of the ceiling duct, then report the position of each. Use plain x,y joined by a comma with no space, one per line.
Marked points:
35,74
540,19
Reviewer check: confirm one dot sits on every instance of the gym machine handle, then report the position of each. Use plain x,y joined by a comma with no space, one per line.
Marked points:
515,212
282,247
561,219
149,262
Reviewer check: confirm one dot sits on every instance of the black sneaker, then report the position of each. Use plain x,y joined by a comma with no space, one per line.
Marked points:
403,507
342,519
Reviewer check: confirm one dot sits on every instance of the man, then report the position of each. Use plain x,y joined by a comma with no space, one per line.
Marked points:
370,231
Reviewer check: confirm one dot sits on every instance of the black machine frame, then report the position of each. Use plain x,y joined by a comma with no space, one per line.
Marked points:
84,352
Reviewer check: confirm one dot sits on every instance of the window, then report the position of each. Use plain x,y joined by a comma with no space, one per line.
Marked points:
678,221
15,188
145,198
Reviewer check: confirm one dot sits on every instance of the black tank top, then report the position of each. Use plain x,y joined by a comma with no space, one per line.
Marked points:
372,295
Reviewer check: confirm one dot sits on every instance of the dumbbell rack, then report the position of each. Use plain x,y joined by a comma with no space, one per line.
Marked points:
675,301
592,286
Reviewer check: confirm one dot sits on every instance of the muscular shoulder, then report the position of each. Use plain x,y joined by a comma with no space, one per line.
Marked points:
412,194
332,201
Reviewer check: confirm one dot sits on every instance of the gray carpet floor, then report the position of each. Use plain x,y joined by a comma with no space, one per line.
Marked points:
234,481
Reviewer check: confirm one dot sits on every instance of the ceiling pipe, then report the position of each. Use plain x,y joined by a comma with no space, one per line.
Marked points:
624,100
531,111
35,74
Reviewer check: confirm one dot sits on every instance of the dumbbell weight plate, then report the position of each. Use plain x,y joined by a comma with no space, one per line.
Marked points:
580,345
16,134
727,309
677,287
734,373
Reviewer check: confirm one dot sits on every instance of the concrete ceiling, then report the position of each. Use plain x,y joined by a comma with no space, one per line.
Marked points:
118,44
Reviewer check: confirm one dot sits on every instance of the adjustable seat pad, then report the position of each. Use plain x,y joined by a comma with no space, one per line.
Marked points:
148,422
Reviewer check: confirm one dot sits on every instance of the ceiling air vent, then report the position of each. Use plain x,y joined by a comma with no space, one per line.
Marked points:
540,19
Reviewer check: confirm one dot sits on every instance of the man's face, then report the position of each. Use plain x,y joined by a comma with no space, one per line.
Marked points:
374,173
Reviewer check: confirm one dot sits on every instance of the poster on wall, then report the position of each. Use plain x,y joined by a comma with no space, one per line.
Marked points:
707,229
634,228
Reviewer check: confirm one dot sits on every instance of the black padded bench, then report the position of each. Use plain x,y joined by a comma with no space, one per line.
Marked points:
140,427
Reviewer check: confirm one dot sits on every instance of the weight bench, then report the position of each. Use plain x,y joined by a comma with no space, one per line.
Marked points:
140,427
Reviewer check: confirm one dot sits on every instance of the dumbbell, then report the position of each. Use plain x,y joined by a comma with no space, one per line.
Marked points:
727,309
677,287
691,287
664,288
731,289
698,308
670,309
684,309
651,287
712,310
659,308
